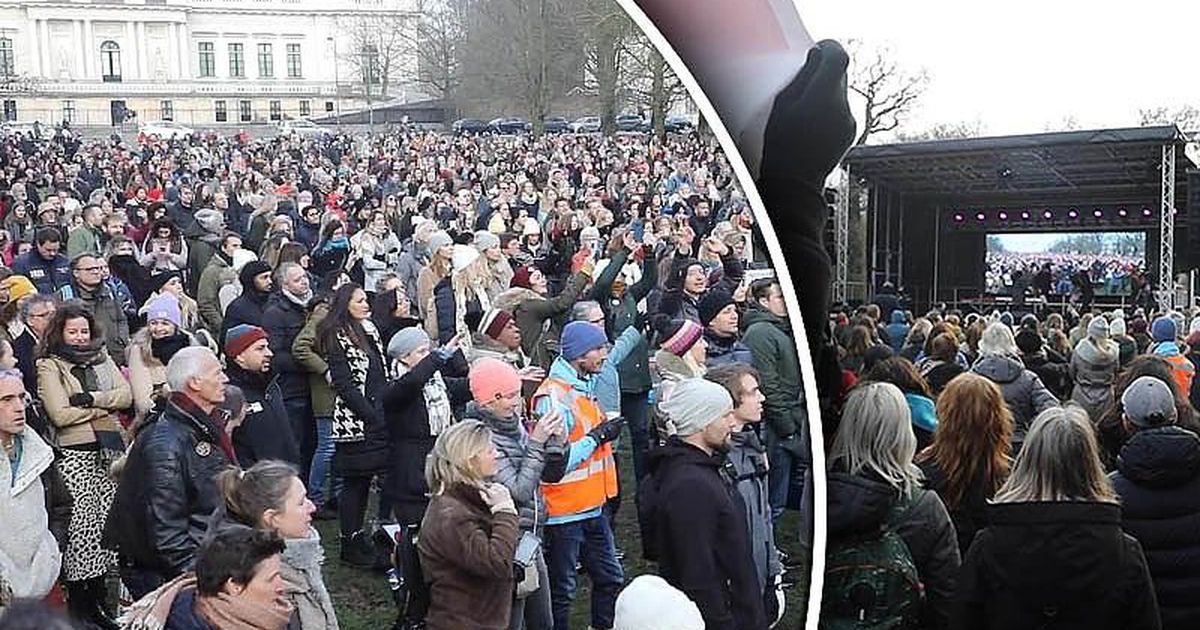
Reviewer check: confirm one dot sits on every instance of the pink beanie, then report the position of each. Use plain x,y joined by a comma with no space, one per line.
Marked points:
492,378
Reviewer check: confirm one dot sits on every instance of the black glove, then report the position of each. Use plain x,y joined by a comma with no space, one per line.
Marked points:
555,467
82,399
607,431
381,257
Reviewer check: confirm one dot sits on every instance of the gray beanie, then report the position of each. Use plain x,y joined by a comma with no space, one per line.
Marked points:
211,220
696,403
405,341
438,240
485,240
1098,327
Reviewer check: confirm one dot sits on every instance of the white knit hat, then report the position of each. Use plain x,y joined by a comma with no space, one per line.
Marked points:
696,403
650,603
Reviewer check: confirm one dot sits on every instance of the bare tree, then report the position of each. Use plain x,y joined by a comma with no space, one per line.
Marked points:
890,90
649,83
1067,123
439,34
943,131
1186,117
381,50
609,28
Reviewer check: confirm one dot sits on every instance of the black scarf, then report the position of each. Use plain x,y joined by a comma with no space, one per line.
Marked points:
165,348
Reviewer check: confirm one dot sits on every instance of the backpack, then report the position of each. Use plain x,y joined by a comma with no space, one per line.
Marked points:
871,581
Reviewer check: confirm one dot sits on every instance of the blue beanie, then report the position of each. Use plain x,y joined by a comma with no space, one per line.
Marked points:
579,338
1163,329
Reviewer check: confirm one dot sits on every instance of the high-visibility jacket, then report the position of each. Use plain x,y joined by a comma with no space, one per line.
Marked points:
594,481
1182,370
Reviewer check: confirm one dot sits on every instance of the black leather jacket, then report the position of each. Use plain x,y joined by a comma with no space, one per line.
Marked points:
168,490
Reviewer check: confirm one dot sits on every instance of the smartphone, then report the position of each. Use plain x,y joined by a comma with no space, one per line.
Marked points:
527,549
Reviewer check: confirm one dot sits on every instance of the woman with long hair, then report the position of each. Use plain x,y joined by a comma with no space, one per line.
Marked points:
969,457
858,341
469,533
332,250
378,249
358,371
1093,368
1053,554
82,391
437,272
164,249
151,349
874,486
681,356
270,496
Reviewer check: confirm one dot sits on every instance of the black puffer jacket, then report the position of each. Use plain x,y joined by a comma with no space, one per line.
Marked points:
859,505
283,319
1158,480
167,491
266,433
1055,565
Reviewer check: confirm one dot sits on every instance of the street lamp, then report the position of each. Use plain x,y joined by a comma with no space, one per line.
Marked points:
337,92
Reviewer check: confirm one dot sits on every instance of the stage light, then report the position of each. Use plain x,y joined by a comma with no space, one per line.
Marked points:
981,216
1098,213
1073,213
1146,212
958,217
1003,216
1025,215
1122,213
1047,215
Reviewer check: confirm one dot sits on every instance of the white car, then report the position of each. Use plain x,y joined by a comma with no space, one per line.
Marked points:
587,124
166,130
303,128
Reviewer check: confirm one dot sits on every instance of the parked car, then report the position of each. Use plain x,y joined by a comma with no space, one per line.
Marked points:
587,124
510,125
303,128
631,122
165,129
556,124
470,125
27,127
678,124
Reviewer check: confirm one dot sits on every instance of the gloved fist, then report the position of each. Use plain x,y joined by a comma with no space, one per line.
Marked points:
82,399
607,431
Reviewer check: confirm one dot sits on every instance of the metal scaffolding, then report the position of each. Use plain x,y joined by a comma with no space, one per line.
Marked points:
841,235
1166,251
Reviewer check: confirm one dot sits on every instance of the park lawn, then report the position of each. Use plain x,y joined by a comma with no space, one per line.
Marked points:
363,600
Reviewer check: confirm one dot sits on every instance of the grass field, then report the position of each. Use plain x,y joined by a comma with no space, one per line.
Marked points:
363,601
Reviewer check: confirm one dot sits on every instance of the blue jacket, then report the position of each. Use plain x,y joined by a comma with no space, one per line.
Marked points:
578,451
47,275
897,331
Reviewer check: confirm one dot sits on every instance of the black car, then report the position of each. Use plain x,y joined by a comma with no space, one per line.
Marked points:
510,125
469,125
678,124
630,122
556,124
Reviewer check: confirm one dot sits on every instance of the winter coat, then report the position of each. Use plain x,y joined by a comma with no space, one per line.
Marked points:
608,386
746,468
379,256
1061,565
167,490
77,426
266,433
1023,391
725,350
283,319
540,318
1128,348
771,341
406,418
939,374
621,313
246,309
110,316
217,273
897,331
48,275
671,370
1055,375
358,427
519,465
84,239
695,524
1093,369
308,353
971,514
859,505
467,556
200,250
408,268
326,259
35,508
1158,480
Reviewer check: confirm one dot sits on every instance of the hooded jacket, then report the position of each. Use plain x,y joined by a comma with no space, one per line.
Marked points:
247,308
695,524
746,468
1158,480
897,330
540,318
1093,369
859,505
770,340
1023,391
1060,565
518,466
266,433
283,319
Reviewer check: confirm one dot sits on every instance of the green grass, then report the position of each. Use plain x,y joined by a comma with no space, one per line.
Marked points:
363,600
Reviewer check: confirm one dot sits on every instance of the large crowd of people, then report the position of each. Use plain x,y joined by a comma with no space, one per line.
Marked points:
1001,470
208,343
1065,274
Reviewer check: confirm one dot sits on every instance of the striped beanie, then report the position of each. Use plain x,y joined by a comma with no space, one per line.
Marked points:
240,337
680,336
493,322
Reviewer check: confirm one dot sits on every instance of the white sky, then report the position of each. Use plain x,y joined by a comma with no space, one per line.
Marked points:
1031,243
1021,65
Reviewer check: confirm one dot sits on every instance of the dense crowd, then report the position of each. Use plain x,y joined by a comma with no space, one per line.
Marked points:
1008,471
209,343
1073,275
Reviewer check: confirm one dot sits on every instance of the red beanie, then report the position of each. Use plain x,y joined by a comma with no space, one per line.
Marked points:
521,278
492,378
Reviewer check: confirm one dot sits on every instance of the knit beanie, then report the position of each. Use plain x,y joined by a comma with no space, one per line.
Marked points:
680,336
491,378
493,323
439,239
711,303
1163,329
1006,318
18,287
650,603
580,338
405,341
696,403
521,277
1117,327
1029,341
1098,327
1138,325
156,281
464,255
240,337
485,240
211,220
163,306
252,269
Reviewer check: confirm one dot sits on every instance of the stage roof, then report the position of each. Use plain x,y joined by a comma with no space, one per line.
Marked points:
1083,167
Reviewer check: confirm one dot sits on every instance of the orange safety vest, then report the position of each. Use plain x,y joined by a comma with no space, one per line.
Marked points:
1183,371
594,481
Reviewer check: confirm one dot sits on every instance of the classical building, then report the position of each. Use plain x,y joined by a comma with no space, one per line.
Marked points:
203,63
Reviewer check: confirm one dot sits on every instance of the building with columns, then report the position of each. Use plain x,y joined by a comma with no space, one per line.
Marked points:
203,63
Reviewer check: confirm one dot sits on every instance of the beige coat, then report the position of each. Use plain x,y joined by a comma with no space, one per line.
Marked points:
78,425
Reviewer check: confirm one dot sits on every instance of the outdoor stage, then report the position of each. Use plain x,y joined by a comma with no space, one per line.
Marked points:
930,206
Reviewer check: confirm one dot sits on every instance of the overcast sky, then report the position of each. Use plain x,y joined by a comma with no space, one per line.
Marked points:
1021,65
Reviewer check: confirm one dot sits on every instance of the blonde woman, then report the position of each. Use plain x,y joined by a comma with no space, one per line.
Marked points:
435,275
469,533
152,348
681,356
1054,554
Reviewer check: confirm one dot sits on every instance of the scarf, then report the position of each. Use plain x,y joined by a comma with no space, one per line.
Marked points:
85,356
437,401
166,347
299,300
151,612
234,613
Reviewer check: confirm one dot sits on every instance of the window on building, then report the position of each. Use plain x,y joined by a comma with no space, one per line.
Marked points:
220,110
328,106
208,59
10,109
245,114
69,111
168,110
305,108
237,63
266,61
110,61
276,111
8,66
293,61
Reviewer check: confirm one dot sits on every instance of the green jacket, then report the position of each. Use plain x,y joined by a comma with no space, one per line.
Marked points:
83,239
621,313
215,275
307,351
769,339
540,318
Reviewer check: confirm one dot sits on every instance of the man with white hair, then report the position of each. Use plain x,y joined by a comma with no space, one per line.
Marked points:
168,490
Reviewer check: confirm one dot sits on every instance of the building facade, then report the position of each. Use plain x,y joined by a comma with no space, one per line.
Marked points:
202,63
